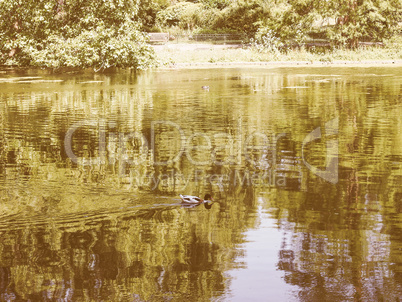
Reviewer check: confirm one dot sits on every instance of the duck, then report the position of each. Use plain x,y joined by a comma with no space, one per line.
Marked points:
189,199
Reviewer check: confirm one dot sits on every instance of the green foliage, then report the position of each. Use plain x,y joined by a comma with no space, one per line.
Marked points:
147,13
101,48
215,31
286,24
214,15
242,15
266,41
94,33
172,16
358,20
219,4
188,15
74,33
290,22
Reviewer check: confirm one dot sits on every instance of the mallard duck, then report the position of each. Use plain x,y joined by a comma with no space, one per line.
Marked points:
188,199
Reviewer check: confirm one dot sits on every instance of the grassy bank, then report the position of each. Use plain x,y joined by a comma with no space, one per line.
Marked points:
171,54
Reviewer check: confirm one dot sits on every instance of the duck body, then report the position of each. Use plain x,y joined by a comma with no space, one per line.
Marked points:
189,199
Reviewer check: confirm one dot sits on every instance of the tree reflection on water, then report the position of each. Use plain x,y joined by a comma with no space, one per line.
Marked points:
109,225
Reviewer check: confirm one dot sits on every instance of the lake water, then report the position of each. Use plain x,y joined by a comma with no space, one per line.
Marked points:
304,165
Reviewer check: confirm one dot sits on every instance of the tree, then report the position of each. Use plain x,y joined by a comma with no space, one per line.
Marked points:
355,20
288,21
148,11
242,16
374,20
219,4
73,33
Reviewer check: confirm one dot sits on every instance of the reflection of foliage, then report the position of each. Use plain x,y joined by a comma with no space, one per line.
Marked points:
148,252
40,150
168,251
144,253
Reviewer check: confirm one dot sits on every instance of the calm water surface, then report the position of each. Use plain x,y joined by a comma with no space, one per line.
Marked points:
305,166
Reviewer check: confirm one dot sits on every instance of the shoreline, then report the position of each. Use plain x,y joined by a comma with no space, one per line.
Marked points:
5,69
275,64
178,56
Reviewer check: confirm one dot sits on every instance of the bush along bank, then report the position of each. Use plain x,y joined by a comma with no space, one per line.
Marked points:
56,34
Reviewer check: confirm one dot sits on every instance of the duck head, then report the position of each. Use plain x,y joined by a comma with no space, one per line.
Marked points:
208,197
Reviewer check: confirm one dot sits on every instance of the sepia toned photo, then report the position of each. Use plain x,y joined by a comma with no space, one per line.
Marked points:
201,150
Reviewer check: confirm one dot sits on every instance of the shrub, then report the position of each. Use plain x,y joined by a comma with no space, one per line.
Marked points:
99,48
266,41
178,14
242,16
76,33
